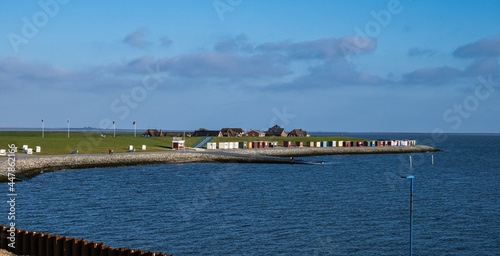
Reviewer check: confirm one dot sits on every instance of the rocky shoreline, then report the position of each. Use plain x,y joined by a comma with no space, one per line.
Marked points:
32,166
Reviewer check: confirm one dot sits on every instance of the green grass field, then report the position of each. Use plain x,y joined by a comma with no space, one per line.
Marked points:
58,143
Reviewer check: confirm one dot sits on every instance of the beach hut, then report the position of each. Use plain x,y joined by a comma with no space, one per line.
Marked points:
3,152
266,144
178,144
243,145
299,144
29,151
413,142
38,149
311,144
223,145
324,144
273,144
340,143
287,144
25,148
332,143
130,148
231,145
249,144
347,144
143,147
212,145
366,143
318,144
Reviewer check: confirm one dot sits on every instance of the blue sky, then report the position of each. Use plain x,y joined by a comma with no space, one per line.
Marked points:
347,66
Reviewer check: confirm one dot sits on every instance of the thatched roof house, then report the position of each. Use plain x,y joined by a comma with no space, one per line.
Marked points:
255,133
298,133
232,132
276,131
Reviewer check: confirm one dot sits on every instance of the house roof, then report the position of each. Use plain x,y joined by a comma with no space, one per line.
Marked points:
298,133
151,132
206,133
275,131
174,134
231,131
257,131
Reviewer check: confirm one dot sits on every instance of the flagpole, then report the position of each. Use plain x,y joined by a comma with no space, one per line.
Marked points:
114,128
42,128
135,130
68,127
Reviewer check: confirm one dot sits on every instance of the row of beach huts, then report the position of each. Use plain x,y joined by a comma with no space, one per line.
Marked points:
316,144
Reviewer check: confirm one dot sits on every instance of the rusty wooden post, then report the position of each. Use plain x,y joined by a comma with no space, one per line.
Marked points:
3,237
61,246
22,242
35,237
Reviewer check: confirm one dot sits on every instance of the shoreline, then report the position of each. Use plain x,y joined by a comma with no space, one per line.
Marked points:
31,166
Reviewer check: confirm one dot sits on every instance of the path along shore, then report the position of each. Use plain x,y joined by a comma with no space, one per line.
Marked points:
30,166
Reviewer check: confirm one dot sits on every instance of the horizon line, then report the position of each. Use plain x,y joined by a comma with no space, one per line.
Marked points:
92,129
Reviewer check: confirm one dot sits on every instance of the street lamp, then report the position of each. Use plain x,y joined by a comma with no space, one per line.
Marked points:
411,212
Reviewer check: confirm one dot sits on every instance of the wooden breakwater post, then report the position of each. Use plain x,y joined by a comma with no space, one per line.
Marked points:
36,243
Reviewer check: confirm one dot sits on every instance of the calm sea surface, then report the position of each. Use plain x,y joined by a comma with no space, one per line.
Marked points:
353,205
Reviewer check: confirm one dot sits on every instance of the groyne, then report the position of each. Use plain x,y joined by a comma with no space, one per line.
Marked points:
22,242
315,151
34,165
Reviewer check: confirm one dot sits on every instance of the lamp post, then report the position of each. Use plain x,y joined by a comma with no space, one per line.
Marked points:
43,127
68,127
114,129
411,212
134,129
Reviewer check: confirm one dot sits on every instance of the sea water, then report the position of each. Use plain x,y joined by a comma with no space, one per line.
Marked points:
351,205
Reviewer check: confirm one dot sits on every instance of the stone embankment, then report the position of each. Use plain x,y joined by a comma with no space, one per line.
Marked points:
32,166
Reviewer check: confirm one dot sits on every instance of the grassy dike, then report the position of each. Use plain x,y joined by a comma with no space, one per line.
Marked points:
58,143
93,151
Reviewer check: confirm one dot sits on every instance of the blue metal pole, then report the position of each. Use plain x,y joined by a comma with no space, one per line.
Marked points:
411,217
411,212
